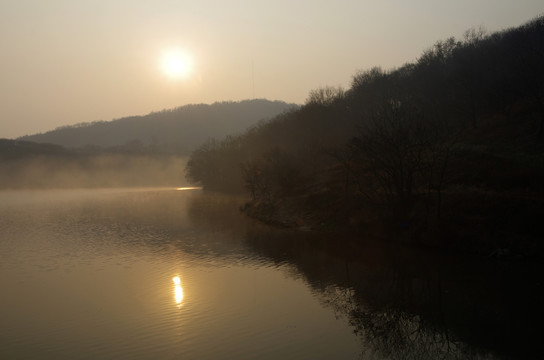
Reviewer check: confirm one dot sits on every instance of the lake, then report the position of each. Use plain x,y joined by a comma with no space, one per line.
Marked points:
182,274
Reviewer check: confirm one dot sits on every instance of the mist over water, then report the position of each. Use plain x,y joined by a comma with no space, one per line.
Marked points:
139,273
88,274
95,171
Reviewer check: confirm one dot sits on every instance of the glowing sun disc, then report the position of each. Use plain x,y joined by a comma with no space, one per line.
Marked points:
176,63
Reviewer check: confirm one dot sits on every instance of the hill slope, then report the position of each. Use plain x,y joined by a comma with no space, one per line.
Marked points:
447,151
181,128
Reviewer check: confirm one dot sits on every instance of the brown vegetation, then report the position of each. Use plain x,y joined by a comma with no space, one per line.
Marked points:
445,152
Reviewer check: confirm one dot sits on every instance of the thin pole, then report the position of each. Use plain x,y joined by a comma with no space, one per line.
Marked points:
252,80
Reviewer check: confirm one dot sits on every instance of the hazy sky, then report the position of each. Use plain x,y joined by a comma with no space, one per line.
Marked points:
69,61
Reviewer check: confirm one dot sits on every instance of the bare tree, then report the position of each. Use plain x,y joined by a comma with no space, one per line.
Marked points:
325,95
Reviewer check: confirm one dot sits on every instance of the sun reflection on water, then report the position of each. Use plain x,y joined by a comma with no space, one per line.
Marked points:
178,290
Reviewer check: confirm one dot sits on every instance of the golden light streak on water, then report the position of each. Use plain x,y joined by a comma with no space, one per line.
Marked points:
178,290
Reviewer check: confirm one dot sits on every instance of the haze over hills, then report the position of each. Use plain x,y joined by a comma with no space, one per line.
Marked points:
180,129
148,150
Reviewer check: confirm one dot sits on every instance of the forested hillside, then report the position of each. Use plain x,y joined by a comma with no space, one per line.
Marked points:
177,130
446,151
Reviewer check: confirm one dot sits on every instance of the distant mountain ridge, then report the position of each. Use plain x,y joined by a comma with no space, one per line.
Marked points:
182,128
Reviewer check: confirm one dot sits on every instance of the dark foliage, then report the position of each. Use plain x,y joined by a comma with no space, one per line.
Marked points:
399,149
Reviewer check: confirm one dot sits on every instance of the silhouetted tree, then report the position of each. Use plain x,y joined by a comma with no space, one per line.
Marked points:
325,95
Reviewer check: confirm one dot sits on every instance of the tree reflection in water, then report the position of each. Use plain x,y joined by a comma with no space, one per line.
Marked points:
388,332
408,304
403,303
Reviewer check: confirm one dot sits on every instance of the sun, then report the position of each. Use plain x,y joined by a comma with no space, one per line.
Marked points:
176,63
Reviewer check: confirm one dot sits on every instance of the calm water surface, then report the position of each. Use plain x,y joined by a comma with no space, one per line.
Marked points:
170,274
144,274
